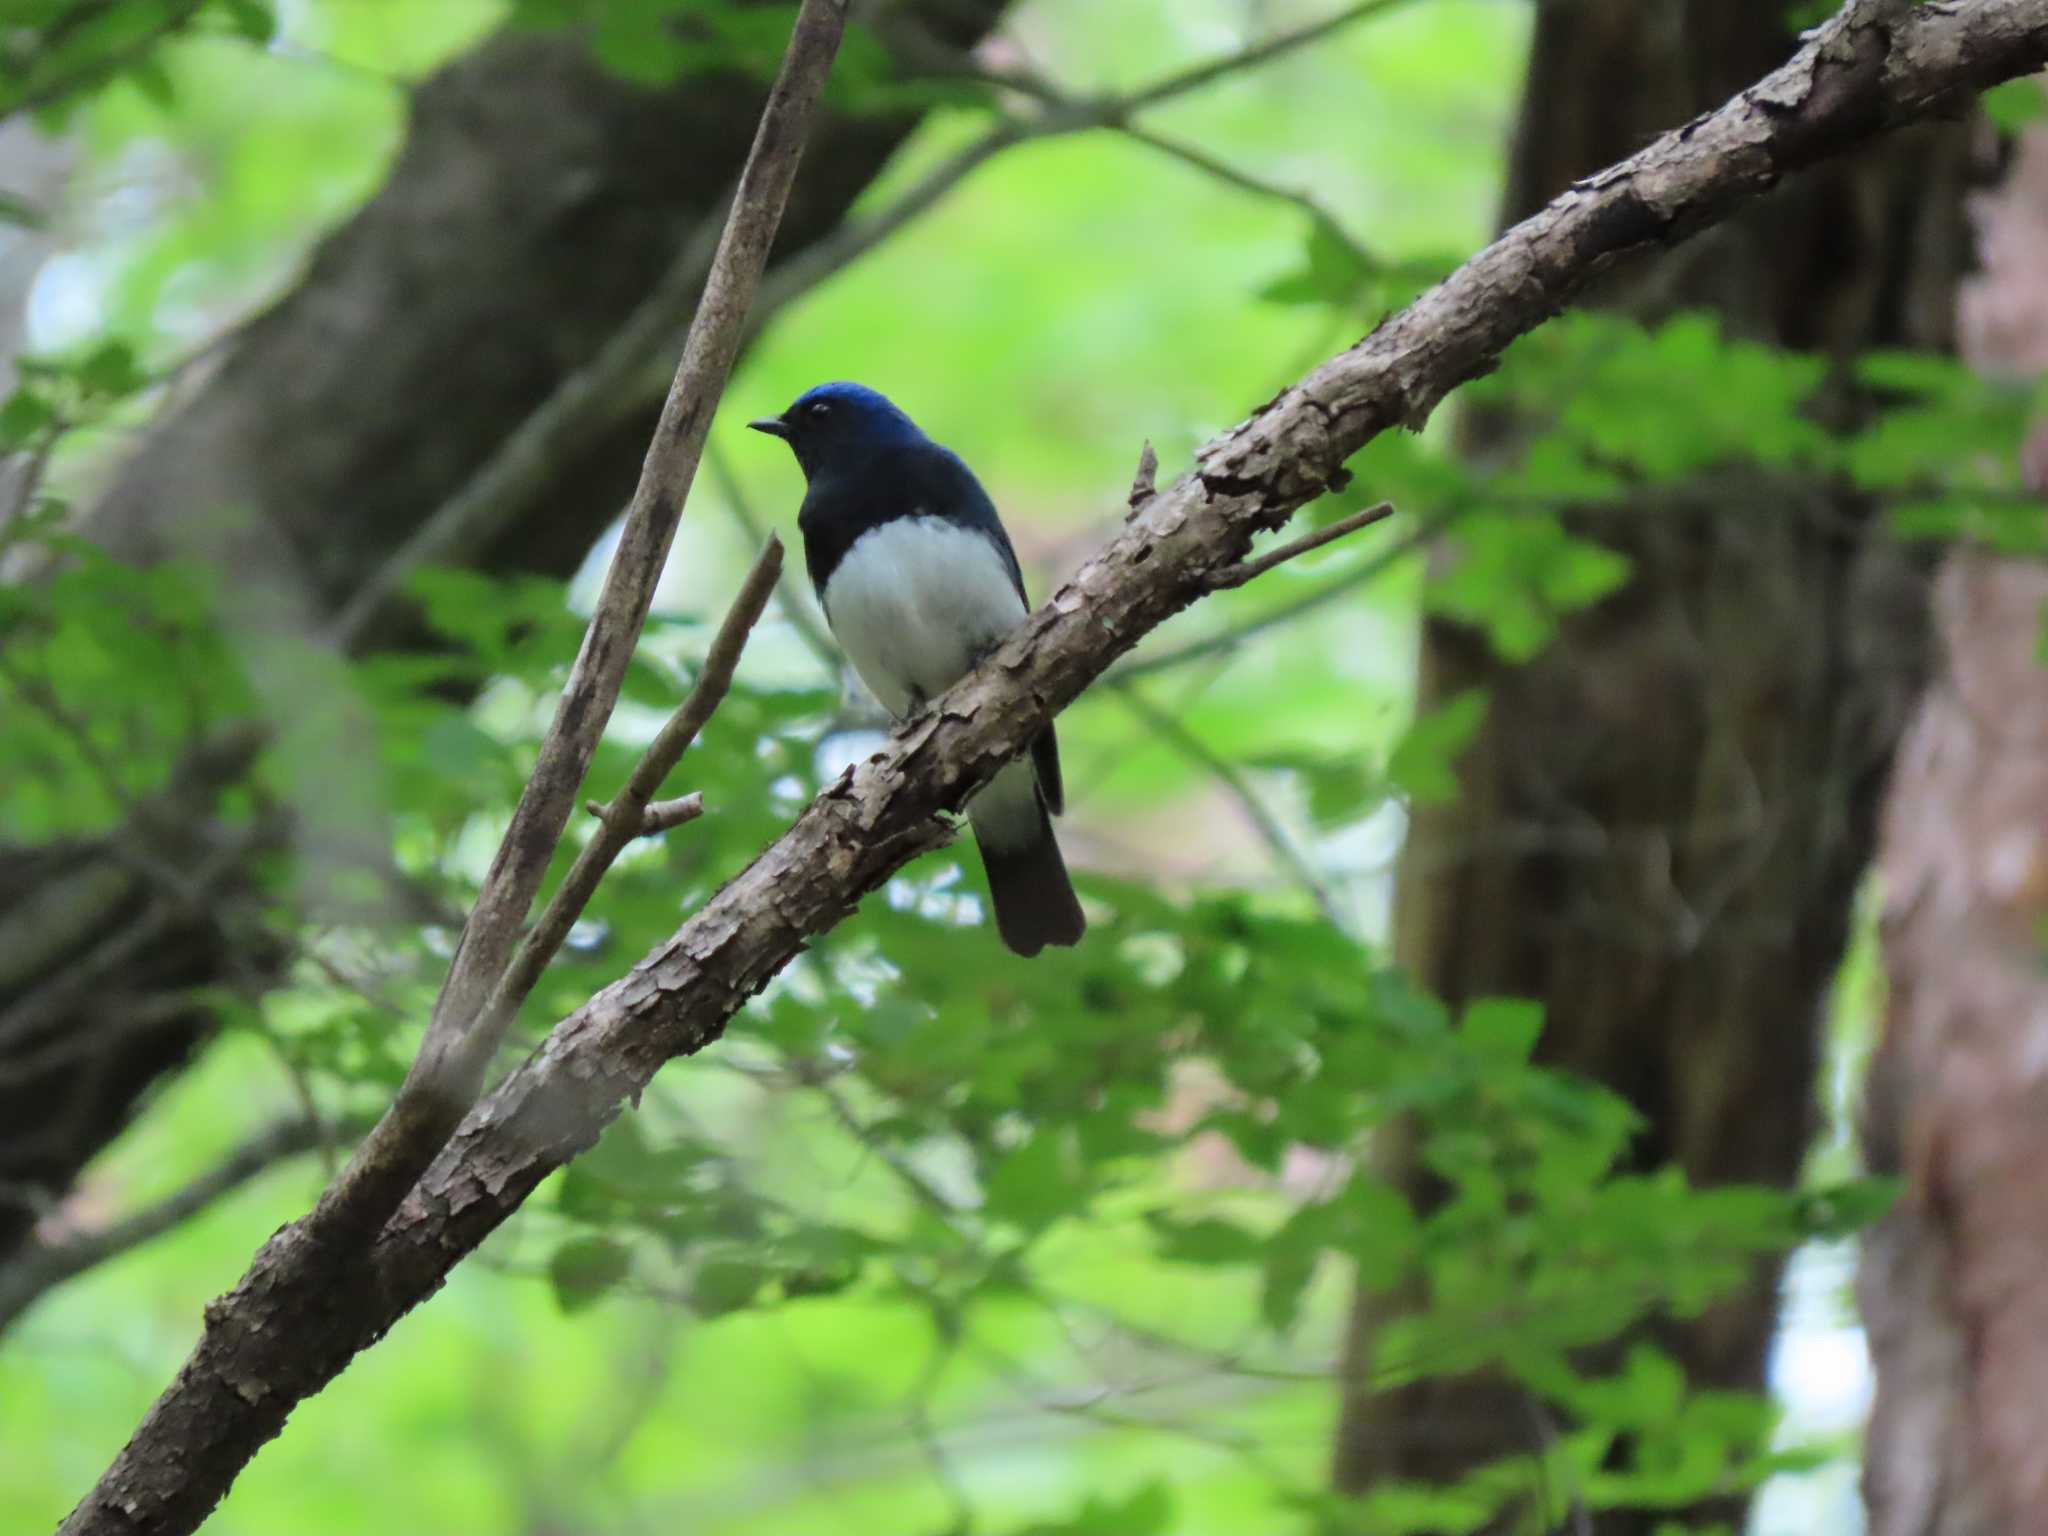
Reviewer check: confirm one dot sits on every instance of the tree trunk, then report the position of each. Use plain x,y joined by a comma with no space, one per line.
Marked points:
534,203
1663,823
1951,1284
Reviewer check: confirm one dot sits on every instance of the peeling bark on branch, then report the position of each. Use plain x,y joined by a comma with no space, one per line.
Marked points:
298,1317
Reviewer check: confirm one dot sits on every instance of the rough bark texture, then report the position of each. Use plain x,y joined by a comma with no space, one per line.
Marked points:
1951,1282
303,1311
1663,823
535,201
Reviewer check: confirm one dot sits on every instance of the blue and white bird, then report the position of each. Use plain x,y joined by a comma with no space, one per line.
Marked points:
919,582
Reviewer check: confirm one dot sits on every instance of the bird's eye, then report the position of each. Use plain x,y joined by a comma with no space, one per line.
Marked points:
820,409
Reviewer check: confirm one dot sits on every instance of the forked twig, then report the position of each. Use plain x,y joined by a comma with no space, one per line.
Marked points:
633,812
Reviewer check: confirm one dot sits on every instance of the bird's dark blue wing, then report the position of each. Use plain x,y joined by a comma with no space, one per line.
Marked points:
941,485
951,491
912,480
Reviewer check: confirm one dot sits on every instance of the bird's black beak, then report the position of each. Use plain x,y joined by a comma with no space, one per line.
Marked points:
774,426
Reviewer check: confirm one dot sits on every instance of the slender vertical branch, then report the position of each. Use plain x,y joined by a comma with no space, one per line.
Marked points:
631,813
464,1033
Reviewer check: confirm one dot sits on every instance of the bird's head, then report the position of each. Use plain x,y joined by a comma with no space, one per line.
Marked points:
837,424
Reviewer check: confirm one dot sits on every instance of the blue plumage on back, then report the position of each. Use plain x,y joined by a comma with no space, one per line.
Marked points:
919,581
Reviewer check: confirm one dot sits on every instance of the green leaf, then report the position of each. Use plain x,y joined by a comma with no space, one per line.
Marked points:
584,1268
725,1285
1342,789
1504,1029
1292,1254
1383,1231
1423,764
251,19
2014,526
1409,471
1809,13
1033,1186
150,76
25,414
1207,1241
1331,273
1514,575
2014,104
1285,1280
111,370
1837,1210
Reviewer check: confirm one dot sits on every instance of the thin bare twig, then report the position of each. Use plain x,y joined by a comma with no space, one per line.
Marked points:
470,1016
1062,114
933,58
632,813
1225,641
926,1193
667,815
1246,570
30,467
41,1007
1264,822
1244,181
1250,57
41,697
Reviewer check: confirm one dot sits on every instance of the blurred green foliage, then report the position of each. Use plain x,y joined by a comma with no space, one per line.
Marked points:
934,1240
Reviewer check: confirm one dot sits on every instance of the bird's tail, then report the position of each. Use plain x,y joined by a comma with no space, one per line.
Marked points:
1027,879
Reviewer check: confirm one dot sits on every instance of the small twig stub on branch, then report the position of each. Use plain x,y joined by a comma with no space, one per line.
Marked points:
1145,483
1246,570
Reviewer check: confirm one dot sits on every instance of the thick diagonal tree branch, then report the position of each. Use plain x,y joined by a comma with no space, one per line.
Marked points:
301,1314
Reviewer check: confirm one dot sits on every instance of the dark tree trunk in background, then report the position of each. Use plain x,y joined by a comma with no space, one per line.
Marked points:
1664,821
1954,1282
535,201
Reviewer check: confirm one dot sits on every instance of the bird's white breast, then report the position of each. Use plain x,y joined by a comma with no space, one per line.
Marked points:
914,602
